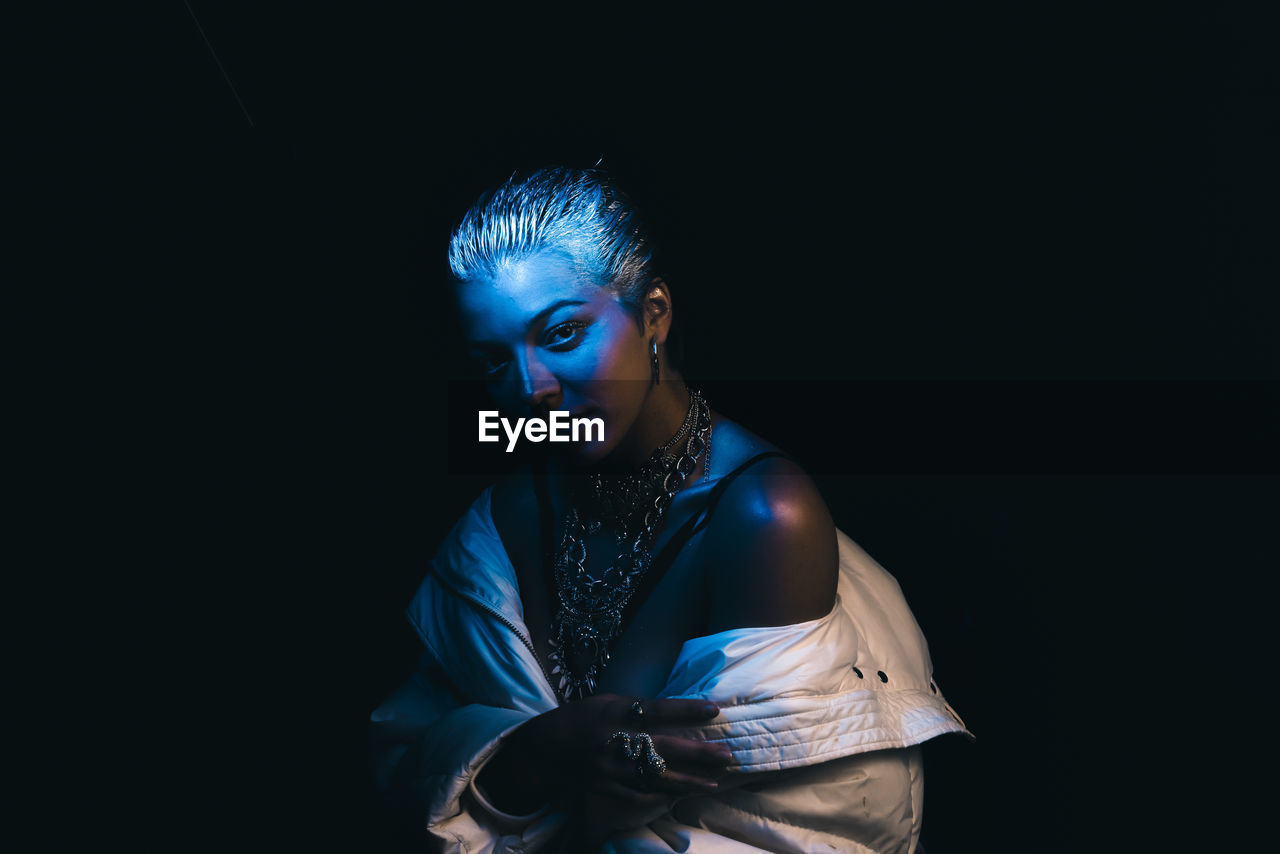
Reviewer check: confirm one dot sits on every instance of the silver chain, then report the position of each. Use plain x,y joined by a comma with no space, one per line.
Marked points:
589,615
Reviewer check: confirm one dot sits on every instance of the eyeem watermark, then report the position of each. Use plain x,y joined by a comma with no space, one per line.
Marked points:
559,428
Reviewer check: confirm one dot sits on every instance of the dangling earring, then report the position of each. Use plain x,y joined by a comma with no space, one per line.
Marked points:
653,360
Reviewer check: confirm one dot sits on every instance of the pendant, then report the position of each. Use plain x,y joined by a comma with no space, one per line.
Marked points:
588,622
577,660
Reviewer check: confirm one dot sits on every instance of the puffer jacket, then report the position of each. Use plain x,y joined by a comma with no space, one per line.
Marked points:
823,718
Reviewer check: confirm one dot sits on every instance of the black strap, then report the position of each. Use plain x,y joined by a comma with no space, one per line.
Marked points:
699,520
671,549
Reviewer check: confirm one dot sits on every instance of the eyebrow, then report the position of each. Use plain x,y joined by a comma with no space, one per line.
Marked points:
541,316
537,319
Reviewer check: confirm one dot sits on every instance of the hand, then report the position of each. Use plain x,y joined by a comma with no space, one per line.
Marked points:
568,749
601,816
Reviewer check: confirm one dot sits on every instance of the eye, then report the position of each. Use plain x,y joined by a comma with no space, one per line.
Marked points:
565,336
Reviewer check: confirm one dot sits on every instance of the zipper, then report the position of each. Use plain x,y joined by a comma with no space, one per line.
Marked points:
489,609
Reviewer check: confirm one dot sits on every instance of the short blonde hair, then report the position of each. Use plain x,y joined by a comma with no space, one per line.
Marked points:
578,212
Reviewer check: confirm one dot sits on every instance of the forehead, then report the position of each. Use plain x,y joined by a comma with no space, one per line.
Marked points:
503,305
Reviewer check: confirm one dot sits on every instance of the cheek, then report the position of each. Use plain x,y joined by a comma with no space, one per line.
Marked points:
622,355
615,376
624,383
610,355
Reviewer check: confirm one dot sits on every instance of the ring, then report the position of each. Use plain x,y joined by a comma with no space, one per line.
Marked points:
640,750
636,712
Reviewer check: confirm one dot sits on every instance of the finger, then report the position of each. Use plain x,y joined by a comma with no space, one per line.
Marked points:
631,796
678,782
686,751
671,710
623,771
606,813
692,764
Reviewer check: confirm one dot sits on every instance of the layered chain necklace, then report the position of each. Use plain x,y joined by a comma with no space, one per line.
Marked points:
588,618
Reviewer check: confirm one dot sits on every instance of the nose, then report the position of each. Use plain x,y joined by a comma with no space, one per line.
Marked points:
539,387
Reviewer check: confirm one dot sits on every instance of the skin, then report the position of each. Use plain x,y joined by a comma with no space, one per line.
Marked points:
550,338
585,355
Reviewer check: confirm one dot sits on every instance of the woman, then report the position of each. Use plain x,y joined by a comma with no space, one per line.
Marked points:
655,640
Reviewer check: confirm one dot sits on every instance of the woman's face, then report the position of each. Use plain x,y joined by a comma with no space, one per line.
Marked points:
548,339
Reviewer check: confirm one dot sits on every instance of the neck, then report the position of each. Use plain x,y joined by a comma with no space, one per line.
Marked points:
661,415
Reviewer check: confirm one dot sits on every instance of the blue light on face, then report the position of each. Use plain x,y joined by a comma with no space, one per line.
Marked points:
550,339
536,327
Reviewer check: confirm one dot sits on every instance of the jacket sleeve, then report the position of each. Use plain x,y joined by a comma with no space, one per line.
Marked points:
428,749
867,803
824,720
473,686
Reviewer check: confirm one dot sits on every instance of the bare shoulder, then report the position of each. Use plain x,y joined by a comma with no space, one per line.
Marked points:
770,550
733,444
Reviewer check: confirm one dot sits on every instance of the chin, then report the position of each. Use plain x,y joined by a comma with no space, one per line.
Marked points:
586,453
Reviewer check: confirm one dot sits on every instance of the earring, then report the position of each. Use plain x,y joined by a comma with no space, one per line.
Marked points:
653,360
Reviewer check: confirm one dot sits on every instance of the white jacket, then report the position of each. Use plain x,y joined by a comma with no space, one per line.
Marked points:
818,715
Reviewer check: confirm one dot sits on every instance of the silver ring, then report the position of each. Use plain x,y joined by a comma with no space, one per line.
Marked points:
648,761
640,750
636,712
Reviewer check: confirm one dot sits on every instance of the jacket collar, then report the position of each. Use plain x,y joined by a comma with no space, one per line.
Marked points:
473,561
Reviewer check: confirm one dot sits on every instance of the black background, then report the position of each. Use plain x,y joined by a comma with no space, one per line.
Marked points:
1004,280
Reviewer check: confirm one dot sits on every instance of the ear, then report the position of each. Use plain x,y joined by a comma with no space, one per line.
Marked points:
657,310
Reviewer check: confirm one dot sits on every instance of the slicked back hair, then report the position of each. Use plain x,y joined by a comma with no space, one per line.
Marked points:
577,212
